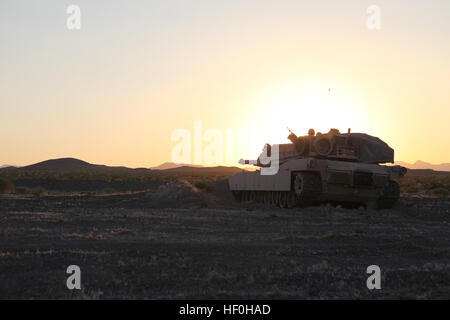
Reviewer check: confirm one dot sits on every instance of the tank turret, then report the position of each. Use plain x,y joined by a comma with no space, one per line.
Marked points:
357,147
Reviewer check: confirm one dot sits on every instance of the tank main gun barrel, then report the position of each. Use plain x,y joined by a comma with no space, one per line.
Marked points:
253,162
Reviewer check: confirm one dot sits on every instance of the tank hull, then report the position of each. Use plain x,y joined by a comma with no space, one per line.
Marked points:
308,180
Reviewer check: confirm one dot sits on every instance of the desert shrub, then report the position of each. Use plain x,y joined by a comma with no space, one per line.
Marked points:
23,190
38,191
440,192
6,186
202,185
109,190
436,185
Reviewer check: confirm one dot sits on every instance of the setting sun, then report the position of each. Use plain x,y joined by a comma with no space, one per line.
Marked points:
303,106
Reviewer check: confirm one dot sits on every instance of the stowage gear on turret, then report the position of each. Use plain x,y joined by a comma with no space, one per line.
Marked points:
334,145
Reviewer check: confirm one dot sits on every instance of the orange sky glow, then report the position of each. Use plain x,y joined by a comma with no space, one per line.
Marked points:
115,91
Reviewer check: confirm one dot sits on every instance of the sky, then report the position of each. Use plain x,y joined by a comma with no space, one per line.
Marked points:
141,80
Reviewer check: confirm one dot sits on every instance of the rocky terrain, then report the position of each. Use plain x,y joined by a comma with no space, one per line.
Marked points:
179,240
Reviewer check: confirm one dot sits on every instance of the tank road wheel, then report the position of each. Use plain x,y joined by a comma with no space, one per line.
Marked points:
275,198
389,196
307,187
260,197
292,200
237,196
283,199
267,197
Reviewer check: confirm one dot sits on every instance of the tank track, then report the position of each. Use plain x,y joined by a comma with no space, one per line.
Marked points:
306,187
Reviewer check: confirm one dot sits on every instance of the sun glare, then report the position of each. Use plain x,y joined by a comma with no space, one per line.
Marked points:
301,107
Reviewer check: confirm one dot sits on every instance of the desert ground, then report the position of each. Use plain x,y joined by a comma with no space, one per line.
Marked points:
173,240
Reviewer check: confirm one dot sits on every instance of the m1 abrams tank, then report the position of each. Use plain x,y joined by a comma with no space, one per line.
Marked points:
332,167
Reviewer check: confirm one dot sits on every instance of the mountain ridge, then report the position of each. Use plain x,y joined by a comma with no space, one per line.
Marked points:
422,165
7,166
77,165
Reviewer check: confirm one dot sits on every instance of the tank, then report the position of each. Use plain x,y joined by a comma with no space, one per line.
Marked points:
347,168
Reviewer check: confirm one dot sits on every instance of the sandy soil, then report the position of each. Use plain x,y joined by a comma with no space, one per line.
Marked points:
175,241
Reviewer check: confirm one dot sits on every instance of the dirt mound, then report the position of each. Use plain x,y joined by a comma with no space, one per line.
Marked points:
178,190
179,193
182,193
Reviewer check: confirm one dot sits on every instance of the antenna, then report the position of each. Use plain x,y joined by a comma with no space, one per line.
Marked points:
370,114
292,136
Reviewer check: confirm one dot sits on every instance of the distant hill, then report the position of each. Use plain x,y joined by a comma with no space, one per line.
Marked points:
171,165
64,164
421,165
71,165
6,166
